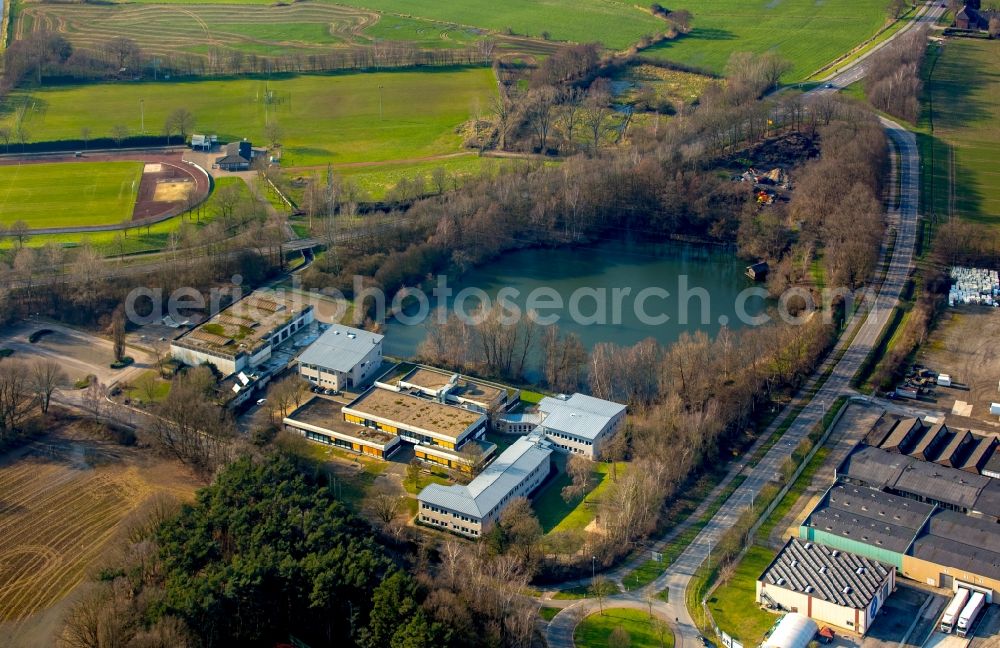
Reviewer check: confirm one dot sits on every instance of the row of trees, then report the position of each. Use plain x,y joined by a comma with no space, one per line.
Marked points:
40,55
894,82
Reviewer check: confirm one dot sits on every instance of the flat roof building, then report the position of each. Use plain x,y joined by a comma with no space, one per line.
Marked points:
472,509
924,542
826,584
342,358
443,434
579,423
243,335
901,474
322,420
454,388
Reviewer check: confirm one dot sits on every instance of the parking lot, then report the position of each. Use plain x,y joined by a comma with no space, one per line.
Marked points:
906,619
78,352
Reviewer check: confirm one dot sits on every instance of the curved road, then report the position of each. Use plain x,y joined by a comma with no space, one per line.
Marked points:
872,317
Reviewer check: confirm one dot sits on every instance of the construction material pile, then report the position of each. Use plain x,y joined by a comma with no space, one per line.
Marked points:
974,286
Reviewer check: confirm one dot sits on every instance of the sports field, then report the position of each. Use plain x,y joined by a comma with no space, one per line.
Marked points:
337,118
68,194
809,33
961,153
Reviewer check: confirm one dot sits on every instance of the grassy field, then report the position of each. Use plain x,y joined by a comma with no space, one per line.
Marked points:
733,606
66,195
614,23
960,142
271,29
324,118
144,239
556,514
643,632
807,33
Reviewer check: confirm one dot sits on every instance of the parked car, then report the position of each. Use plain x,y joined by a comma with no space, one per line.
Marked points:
261,401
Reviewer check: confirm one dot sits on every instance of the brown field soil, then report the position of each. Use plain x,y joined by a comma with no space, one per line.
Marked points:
964,345
63,500
164,189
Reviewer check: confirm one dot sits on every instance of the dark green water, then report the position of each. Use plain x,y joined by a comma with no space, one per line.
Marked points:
679,269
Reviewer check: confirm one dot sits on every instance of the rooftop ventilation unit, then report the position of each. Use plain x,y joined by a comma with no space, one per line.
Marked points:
846,590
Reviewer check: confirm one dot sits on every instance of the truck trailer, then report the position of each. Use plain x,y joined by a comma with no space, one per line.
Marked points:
954,609
968,617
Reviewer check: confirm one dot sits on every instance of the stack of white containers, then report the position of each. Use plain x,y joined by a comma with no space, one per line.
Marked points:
974,286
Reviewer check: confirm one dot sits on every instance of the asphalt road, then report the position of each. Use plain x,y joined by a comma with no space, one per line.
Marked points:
871,317
859,68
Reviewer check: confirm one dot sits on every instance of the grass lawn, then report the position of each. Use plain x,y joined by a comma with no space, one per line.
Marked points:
733,605
138,240
810,34
159,393
960,142
376,181
68,194
615,23
643,632
555,514
424,481
325,118
531,397
548,613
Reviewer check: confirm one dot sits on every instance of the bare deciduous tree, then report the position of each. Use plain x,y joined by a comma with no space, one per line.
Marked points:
46,377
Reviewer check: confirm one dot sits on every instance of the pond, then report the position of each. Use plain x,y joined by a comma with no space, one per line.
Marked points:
617,291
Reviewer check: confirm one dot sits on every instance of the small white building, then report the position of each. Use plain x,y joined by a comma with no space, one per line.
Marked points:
793,631
579,423
342,358
825,584
472,509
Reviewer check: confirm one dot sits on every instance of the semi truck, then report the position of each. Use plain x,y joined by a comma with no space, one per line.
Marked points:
969,614
954,609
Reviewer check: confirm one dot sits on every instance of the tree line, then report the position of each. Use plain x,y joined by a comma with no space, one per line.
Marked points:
41,56
894,81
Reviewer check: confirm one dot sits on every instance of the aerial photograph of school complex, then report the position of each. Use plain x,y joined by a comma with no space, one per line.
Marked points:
505,324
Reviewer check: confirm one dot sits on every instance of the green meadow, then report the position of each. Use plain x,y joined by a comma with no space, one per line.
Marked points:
134,241
342,118
960,139
809,33
68,195
615,24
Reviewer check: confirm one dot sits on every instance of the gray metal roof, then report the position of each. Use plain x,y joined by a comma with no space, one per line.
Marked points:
962,542
340,348
832,575
870,516
905,474
492,485
580,415
988,502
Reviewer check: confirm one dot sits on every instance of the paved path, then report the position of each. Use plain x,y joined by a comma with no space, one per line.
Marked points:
868,321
